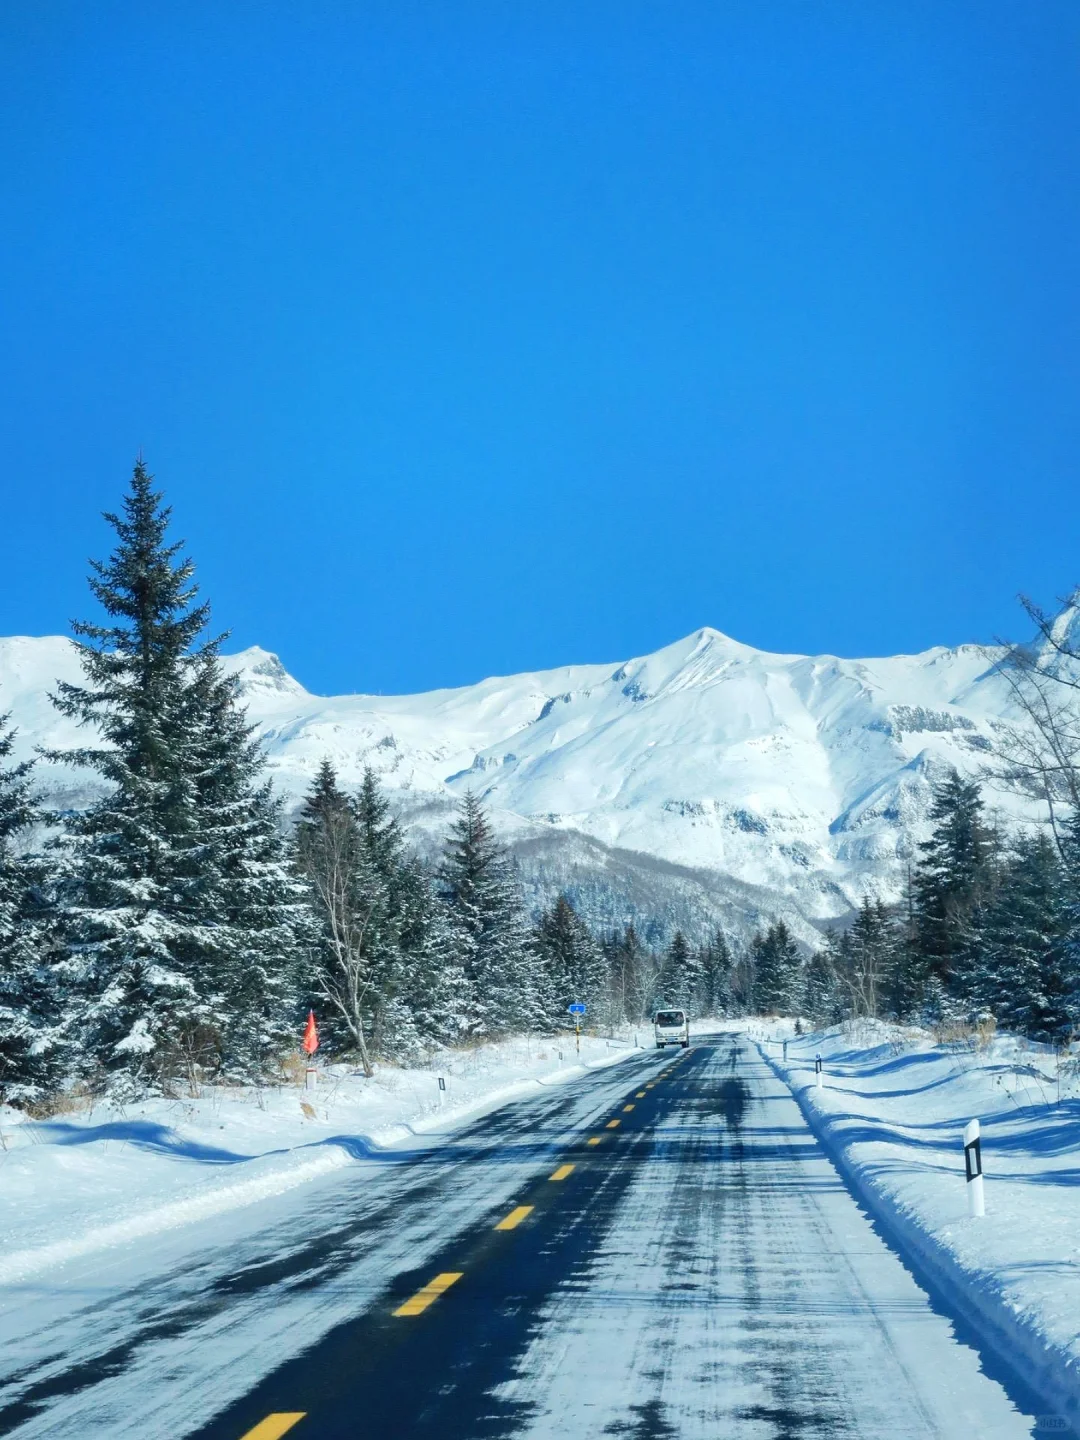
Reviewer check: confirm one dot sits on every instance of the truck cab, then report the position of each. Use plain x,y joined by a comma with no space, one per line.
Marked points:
671,1027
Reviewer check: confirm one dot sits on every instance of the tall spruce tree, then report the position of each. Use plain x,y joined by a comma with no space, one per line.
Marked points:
680,977
1070,939
175,904
31,1030
494,940
256,920
131,886
778,978
716,965
574,963
1019,972
951,882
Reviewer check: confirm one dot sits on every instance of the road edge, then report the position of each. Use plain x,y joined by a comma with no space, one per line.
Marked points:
1055,1374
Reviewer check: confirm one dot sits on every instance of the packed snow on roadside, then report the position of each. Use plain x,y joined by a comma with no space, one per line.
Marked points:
106,1176
891,1112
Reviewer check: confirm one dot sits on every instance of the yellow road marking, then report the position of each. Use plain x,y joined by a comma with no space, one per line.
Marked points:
626,1108
651,1085
561,1173
613,1124
595,1139
431,1292
514,1219
641,1094
274,1426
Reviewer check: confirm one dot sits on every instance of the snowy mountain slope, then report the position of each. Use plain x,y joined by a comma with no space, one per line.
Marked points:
785,781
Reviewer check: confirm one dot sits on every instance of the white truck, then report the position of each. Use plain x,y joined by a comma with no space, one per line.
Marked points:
671,1027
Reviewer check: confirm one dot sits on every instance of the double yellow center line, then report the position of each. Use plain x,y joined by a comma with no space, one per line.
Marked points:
278,1424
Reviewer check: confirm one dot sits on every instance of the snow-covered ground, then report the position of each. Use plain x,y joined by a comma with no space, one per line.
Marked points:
891,1112
104,1177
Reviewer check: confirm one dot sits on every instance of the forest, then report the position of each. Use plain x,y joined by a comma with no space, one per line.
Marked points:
180,927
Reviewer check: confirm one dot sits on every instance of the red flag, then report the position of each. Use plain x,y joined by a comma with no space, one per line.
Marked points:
311,1034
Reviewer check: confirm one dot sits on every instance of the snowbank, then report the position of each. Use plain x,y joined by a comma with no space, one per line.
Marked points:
90,1181
891,1112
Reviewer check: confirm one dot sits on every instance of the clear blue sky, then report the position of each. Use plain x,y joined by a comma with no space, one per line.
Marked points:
467,338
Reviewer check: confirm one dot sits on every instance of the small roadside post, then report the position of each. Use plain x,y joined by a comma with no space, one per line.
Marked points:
817,1072
310,1043
577,1010
974,1170
785,1052
442,1090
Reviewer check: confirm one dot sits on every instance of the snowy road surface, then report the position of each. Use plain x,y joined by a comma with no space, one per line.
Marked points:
659,1249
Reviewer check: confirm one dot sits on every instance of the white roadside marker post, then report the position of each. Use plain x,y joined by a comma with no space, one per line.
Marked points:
785,1052
442,1090
817,1072
311,1078
974,1170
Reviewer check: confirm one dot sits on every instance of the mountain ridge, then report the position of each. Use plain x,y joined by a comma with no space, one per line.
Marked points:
806,778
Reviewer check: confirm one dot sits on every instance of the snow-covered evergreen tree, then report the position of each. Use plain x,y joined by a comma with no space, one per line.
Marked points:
680,976
1019,970
778,978
823,994
180,919
952,880
132,883
715,967
575,965
494,940
31,1031
256,919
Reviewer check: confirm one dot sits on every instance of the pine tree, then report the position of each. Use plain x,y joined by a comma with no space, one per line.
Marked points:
131,883
256,920
1070,915
952,879
181,920
824,999
778,981
574,963
715,967
865,963
1020,975
419,988
493,937
680,977
30,1019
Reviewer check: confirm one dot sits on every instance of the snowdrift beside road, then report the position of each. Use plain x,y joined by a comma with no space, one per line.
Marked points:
80,1183
891,1112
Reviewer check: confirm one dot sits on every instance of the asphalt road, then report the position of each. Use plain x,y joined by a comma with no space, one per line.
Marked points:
660,1249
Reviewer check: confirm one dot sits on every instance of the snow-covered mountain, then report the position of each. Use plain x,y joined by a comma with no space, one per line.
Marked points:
708,780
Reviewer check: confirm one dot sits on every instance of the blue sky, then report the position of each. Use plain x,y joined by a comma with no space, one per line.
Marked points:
469,338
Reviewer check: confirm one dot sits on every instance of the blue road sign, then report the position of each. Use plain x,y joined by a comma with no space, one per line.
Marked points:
576,1009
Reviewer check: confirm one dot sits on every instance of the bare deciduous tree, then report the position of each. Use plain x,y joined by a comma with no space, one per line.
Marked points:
1040,757
328,857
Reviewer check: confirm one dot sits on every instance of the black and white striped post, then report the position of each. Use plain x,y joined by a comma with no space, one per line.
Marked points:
817,1072
973,1167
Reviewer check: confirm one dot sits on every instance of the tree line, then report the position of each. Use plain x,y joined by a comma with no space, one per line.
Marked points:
178,929
988,930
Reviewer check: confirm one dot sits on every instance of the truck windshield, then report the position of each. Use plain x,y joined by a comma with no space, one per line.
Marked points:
670,1017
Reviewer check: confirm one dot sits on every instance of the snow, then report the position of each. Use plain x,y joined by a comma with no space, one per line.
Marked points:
891,1114
91,1181
807,777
